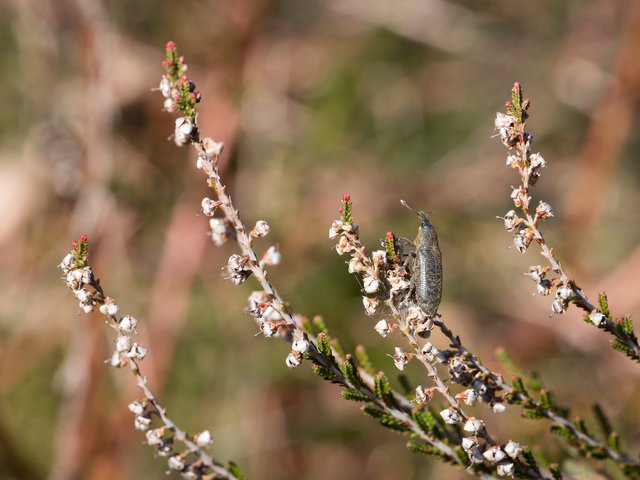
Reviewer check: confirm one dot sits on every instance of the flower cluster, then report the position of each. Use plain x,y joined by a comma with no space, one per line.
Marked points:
525,228
180,95
162,434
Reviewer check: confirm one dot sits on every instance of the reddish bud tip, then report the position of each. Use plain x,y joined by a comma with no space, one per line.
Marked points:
508,105
389,235
340,211
516,85
192,96
165,63
171,45
181,58
184,79
526,103
74,244
346,197
83,238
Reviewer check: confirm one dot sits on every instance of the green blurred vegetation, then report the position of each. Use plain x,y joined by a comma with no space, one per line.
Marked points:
312,99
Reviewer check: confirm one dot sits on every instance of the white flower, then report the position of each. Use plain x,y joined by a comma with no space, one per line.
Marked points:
400,359
597,318
87,308
336,228
513,449
218,231
370,305
293,360
564,292
536,161
344,246
505,469
128,324
498,407
137,351
165,86
141,423
68,262
117,360
494,454
169,105
136,407
123,343
429,351
536,272
272,256
300,343
511,220
469,397
154,437
370,282
208,206
504,121
176,463
109,307
468,443
450,416
513,161
543,210
558,307
268,329
421,395
415,314
212,148
379,257
261,229
74,279
473,425
203,439
184,129
356,265
383,328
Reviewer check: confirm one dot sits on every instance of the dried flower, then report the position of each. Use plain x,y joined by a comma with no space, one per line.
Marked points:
203,439
473,425
596,317
421,395
300,342
183,131
498,407
400,358
536,161
370,281
209,206
293,360
469,397
511,220
383,328
218,231
109,307
543,210
523,239
128,324
505,469
513,449
272,256
176,463
260,230
123,343
450,416
212,148
136,407
494,454
141,422
370,305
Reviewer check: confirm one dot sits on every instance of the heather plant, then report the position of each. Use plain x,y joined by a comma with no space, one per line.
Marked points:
401,282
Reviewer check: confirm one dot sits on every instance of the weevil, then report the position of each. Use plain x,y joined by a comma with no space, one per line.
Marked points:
426,275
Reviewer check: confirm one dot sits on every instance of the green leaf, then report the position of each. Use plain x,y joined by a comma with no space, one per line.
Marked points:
604,304
364,360
324,347
355,395
424,419
613,441
383,389
350,371
325,373
235,471
423,449
371,410
556,473
546,402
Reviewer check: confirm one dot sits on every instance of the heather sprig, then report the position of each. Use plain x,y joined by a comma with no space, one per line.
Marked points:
184,453
551,278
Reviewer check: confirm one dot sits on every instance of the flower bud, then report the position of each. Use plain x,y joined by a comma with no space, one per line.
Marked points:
383,328
450,416
293,360
260,230
494,454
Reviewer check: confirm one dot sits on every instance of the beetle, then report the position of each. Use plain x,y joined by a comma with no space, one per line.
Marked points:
426,277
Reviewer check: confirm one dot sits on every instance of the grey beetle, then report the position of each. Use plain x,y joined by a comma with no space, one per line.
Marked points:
426,277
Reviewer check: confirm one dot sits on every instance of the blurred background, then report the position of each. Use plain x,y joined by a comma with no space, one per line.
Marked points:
384,100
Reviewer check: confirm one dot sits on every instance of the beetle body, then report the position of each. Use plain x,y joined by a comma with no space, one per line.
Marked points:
427,267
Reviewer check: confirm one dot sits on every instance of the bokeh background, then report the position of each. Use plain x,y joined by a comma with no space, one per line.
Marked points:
384,100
